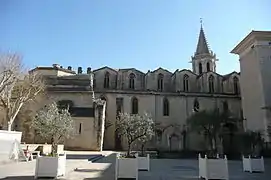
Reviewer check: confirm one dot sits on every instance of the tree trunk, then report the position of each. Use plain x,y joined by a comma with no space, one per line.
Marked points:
142,150
12,117
9,126
129,149
54,147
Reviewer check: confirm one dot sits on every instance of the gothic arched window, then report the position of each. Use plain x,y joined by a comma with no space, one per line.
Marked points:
134,105
106,80
235,85
160,82
200,68
196,105
165,107
185,83
225,106
132,81
208,66
211,83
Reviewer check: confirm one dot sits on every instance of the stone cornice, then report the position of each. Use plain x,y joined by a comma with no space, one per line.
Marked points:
189,94
249,39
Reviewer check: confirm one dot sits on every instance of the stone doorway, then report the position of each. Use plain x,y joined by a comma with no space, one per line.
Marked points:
174,144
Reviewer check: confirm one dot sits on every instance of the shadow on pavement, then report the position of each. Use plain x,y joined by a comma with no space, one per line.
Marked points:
19,178
109,173
81,156
87,170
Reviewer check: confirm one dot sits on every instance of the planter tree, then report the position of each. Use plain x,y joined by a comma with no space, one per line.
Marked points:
135,127
252,143
54,124
210,124
17,88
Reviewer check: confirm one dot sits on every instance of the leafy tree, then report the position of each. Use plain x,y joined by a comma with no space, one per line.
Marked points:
134,128
54,123
210,123
252,142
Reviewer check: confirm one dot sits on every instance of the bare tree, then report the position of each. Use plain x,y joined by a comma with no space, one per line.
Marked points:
10,69
17,88
135,127
54,124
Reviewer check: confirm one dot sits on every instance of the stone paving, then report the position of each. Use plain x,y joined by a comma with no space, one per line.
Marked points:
161,169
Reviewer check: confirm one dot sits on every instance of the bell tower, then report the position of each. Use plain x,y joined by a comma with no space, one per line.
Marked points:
204,60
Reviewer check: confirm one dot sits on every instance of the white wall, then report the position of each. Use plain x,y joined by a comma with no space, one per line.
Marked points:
7,139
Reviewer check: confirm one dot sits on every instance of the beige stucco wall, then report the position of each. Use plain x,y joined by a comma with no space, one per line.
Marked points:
87,139
181,107
255,86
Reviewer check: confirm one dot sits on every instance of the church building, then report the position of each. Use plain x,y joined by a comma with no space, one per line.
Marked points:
170,98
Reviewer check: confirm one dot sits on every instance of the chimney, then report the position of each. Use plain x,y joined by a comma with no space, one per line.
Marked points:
79,70
56,65
69,68
88,70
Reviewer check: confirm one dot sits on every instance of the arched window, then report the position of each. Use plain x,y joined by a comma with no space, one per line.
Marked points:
196,105
200,68
225,106
241,114
132,81
235,85
208,66
211,83
185,83
106,80
160,82
165,107
134,105
222,87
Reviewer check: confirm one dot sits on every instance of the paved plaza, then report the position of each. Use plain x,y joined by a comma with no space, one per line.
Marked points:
161,169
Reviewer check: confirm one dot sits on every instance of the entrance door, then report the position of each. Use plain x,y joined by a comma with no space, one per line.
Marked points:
174,143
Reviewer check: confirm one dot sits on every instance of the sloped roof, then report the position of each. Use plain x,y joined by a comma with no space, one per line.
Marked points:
202,47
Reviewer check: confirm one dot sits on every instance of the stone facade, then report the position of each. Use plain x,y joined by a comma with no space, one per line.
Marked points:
255,61
170,97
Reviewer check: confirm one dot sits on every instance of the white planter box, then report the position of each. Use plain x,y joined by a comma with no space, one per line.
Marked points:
9,145
143,162
126,168
50,166
213,168
253,164
60,148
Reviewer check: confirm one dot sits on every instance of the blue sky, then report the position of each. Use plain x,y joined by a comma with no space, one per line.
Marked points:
145,34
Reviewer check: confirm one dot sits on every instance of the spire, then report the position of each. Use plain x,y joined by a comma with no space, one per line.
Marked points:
202,47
